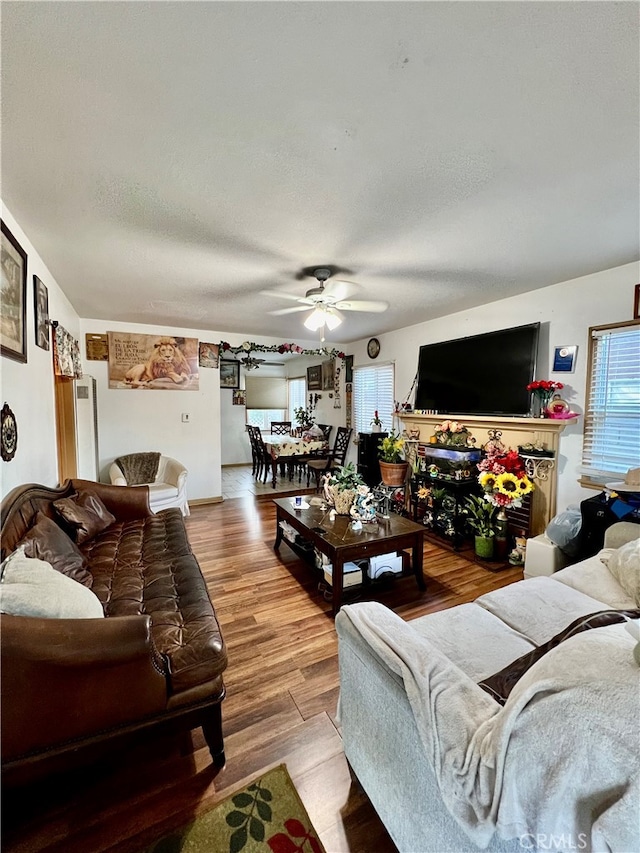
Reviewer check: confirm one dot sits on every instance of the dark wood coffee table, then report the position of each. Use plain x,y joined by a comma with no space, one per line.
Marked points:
341,544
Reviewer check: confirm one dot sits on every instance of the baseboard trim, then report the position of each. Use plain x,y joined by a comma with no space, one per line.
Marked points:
236,465
204,501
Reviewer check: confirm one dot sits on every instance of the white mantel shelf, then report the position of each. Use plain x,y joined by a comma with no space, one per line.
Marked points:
515,432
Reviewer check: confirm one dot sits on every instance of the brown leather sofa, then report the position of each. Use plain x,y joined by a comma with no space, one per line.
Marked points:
70,685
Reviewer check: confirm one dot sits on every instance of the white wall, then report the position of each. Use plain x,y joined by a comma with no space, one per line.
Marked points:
565,310
28,388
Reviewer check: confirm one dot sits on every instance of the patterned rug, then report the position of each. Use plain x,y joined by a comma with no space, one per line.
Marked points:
267,816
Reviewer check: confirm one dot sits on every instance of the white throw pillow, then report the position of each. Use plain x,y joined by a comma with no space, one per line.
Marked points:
624,565
30,587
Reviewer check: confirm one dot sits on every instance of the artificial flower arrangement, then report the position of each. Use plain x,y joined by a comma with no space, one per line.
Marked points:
543,390
503,478
452,434
375,420
391,448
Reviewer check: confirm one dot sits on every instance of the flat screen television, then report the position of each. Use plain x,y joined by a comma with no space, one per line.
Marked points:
480,375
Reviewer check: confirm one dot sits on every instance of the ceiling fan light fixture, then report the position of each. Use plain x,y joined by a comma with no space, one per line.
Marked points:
316,319
332,319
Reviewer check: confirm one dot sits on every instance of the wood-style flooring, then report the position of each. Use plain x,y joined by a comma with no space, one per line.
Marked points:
282,689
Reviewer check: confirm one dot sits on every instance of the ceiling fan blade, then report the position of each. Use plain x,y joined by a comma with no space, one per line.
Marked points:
362,305
338,290
280,311
278,295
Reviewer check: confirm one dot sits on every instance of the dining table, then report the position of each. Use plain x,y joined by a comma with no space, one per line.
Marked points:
287,450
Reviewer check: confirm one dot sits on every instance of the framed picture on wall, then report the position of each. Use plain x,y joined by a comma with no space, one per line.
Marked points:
240,397
41,313
13,330
564,359
229,374
327,375
314,378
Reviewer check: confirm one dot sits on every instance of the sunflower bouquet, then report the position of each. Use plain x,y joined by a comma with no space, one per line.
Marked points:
503,478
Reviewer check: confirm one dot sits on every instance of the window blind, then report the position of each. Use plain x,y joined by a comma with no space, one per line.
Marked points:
266,392
612,419
297,397
373,390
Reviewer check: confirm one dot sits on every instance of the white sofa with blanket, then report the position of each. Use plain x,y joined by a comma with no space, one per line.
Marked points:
450,769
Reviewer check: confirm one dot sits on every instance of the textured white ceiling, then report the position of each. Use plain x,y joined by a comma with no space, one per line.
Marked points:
170,160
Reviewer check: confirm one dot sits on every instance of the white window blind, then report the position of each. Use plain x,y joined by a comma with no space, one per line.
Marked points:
612,420
373,390
297,397
266,393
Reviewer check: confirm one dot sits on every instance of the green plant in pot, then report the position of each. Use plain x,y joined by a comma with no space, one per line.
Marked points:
480,515
304,417
342,487
393,467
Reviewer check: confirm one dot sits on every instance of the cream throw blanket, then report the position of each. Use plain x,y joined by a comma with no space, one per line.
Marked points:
559,759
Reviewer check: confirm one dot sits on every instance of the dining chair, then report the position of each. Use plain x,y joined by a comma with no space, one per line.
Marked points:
263,454
333,460
255,454
281,427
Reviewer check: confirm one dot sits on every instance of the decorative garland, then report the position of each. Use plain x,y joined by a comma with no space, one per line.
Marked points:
249,346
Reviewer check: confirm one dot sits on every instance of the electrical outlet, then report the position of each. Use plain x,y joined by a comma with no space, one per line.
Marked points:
186,418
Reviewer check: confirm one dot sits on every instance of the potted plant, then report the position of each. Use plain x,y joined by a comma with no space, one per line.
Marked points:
393,467
342,487
480,519
376,423
304,418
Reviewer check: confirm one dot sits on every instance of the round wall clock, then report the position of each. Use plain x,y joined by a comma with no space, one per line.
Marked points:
8,433
373,348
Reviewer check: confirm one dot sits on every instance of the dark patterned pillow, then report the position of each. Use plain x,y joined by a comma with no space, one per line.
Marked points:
86,514
46,541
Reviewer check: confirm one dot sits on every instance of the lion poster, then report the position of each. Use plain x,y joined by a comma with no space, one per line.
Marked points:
155,362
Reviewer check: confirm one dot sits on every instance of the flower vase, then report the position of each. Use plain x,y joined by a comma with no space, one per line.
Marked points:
342,500
376,428
539,404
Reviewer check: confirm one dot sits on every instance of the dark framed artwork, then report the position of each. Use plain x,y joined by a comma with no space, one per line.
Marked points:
314,378
240,397
636,303
229,374
13,328
328,370
41,313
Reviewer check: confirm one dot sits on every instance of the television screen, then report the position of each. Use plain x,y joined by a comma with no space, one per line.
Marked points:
480,375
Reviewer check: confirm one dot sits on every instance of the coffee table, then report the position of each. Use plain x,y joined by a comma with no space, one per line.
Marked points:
341,543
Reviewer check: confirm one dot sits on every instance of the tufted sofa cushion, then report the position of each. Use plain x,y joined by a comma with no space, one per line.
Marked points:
146,566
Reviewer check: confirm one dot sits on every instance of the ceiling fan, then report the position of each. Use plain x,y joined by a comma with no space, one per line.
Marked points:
250,363
326,301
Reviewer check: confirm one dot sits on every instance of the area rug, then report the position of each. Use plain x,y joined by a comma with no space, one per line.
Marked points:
266,816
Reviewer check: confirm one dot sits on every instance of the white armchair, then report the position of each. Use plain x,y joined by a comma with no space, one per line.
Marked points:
168,489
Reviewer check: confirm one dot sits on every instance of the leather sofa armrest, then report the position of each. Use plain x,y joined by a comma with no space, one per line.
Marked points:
125,503
65,679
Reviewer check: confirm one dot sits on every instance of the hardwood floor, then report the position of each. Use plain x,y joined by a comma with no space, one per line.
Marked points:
282,689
